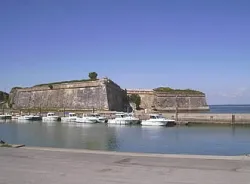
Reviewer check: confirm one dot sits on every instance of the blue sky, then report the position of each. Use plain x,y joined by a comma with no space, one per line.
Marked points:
199,44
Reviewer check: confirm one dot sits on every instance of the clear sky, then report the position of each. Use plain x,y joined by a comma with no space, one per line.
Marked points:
199,44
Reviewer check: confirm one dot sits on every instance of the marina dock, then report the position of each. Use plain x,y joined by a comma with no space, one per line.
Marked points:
51,165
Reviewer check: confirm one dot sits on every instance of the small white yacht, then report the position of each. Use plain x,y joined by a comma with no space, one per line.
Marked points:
51,117
29,118
124,119
100,119
86,118
70,118
156,120
15,117
5,116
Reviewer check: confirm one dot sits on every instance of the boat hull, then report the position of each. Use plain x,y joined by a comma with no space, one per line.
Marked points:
52,118
4,117
29,118
154,123
122,121
102,120
86,120
68,119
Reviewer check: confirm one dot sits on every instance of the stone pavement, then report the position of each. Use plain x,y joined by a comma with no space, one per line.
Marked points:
49,165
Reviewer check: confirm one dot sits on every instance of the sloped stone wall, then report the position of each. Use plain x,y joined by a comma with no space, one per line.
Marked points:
168,102
101,94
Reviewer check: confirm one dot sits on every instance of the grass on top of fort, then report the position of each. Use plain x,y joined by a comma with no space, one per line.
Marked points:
177,91
61,82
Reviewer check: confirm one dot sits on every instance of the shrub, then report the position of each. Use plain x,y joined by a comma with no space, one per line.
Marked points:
93,75
135,98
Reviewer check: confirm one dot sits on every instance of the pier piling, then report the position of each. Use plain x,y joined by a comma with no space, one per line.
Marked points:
233,119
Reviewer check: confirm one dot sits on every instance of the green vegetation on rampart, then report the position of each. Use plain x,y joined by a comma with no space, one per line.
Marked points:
17,87
92,77
62,82
178,91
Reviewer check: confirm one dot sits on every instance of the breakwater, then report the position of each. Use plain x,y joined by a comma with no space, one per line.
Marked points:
209,118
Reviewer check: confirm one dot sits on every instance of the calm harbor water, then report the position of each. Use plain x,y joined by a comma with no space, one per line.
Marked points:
232,109
209,140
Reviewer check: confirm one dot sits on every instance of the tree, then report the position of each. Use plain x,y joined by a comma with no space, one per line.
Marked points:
93,75
50,86
126,96
135,98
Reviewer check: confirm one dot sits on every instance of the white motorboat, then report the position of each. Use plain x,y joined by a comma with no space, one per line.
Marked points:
100,119
86,118
29,118
70,118
156,120
51,117
124,119
5,116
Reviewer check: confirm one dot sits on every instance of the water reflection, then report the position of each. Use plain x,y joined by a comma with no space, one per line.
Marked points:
186,140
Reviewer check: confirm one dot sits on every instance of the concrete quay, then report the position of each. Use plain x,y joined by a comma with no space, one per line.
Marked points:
209,118
50,165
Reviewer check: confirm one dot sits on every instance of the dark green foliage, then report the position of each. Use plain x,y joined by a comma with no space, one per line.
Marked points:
135,98
178,91
126,97
4,96
93,75
50,86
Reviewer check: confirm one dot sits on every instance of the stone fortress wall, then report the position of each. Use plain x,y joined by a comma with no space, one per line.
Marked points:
165,101
101,94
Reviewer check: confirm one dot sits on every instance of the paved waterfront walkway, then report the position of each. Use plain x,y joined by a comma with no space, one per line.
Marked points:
45,166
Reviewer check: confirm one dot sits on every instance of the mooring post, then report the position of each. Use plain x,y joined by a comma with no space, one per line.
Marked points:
40,109
233,119
176,109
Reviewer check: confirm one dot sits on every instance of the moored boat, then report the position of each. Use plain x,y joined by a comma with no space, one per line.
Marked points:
30,118
87,118
100,119
70,118
156,120
5,116
51,117
124,119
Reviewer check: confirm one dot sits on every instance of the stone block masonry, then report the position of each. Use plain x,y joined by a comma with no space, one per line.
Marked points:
101,94
167,101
